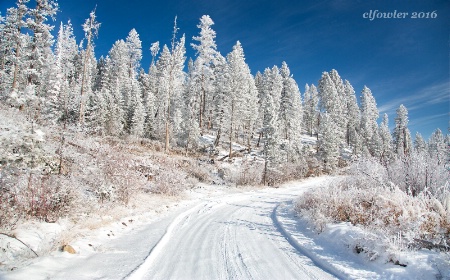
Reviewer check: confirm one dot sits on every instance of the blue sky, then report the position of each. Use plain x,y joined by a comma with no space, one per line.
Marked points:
403,61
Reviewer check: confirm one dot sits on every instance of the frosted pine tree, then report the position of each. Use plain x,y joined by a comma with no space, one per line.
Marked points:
259,80
90,28
41,57
243,94
328,144
151,91
369,117
386,152
270,134
420,146
171,81
14,50
117,72
161,75
222,93
269,83
291,114
134,46
95,115
116,114
138,115
311,110
190,128
339,110
331,93
206,53
437,147
63,83
401,134
352,114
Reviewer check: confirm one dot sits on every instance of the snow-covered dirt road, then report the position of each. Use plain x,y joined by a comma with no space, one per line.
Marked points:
215,234
234,237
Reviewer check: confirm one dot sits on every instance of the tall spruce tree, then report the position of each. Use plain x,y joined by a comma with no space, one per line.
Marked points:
90,28
401,134
291,114
203,68
369,117
311,110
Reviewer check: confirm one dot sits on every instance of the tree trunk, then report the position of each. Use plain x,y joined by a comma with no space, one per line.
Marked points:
265,172
202,106
259,139
217,141
17,57
166,146
231,128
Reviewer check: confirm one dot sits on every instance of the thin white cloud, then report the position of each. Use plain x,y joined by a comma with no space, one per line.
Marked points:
423,121
434,94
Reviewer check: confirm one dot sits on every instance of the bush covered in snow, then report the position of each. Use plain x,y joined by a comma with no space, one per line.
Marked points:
412,216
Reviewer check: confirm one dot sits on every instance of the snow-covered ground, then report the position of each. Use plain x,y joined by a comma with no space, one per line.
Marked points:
222,233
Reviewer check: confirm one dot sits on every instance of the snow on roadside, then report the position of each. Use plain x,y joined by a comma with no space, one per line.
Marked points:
333,250
99,239
95,234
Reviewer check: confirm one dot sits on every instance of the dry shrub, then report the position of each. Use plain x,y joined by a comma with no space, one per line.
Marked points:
250,173
384,209
274,177
247,173
294,171
169,183
197,170
45,197
314,167
170,178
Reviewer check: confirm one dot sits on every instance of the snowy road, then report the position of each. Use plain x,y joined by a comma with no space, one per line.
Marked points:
233,237
228,236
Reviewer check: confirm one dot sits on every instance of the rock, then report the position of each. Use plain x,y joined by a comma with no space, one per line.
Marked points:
69,249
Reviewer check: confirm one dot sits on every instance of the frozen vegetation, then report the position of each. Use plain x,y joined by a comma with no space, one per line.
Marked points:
183,170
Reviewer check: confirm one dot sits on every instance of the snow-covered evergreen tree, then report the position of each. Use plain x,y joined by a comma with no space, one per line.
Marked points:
170,87
137,124
311,110
206,51
369,117
243,94
332,93
271,137
64,82
14,51
134,46
189,127
90,28
352,115
40,53
95,115
401,135
420,146
328,144
221,114
437,147
291,114
386,152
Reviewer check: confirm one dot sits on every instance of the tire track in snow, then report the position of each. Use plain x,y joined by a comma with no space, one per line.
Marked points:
235,267
139,272
232,237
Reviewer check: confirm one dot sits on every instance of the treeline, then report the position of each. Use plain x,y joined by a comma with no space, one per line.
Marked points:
60,81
